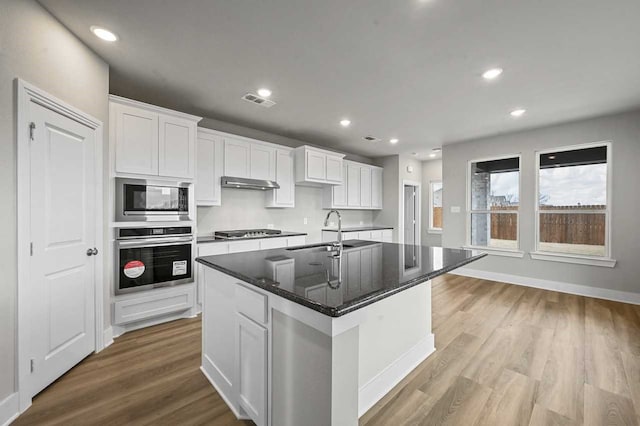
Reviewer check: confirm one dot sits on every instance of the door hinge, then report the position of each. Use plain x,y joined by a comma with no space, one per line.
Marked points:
32,128
31,249
32,364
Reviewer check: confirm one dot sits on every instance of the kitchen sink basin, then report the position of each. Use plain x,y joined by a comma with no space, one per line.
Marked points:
314,248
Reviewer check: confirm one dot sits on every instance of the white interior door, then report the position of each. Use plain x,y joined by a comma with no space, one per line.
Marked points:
63,226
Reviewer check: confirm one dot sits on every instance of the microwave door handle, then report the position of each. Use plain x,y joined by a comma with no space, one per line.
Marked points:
155,242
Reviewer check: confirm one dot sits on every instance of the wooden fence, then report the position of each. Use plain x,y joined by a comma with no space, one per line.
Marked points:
437,217
572,228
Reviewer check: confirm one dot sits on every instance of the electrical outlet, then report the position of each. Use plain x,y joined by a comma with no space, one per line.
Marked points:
455,209
269,225
306,221
361,223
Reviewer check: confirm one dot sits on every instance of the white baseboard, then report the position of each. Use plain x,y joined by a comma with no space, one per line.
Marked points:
380,385
562,287
9,409
107,337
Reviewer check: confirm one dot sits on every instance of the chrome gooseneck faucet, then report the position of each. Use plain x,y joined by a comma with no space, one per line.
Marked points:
326,223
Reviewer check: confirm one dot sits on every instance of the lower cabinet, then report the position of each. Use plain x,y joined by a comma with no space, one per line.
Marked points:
252,369
378,235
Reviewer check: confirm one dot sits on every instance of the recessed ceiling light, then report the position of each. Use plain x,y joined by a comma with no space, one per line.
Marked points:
345,122
432,155
265,93
492,73
104,34
518,112
394,140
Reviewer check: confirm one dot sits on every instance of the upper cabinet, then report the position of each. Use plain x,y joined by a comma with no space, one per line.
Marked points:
285,196
209,168
152,141
361,188
318,166
248,159
222,154
237,158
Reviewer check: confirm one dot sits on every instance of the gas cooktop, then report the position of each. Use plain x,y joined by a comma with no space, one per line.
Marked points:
246,233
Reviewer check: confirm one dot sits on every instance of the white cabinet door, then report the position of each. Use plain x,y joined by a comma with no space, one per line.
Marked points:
334,169
376,236
365,186
353,185
237,158
316,165
376,188
387,235
285,196
209,170
340,191
176,148
136,140
252,369
366,279
207,249
347,236
262,162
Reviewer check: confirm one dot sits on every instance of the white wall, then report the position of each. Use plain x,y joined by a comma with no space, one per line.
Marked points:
37,48
623,130
431,171
243,209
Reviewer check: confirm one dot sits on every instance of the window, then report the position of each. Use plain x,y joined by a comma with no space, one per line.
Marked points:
573,207
435,206
494,198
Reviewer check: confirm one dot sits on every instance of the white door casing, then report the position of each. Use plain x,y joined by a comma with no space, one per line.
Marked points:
60,293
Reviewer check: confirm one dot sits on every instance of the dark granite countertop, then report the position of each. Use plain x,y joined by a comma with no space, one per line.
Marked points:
366,273
360,228
214,239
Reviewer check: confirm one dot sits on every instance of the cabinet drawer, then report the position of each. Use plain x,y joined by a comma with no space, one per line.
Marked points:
376,236
364,235
296,241
241,246
251,304
212,249
349,235
272,243
161,302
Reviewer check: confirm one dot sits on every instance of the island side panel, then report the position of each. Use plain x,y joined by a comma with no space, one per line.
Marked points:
315,376
218,336
394,339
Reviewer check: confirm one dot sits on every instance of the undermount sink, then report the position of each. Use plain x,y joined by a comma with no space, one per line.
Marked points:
357,243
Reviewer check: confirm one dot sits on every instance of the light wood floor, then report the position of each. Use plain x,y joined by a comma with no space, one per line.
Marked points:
506,355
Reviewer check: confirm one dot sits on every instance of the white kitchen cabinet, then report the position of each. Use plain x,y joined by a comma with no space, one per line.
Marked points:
353,185
378,235
237,158
252,369
242,246
152,141
285,196
317,166
334,168
136,140
282,270
376,188
365,186
273,243
263,162
364,235
176,148
209,166
361,188
298,240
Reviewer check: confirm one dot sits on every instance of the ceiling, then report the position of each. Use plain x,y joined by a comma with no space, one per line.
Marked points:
409,69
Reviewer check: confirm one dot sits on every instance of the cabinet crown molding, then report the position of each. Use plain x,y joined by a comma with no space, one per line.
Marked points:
161,110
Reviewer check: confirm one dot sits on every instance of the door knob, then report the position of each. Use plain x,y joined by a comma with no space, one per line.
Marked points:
92,251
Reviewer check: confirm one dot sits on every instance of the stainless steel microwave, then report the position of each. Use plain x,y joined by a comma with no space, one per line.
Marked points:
151,200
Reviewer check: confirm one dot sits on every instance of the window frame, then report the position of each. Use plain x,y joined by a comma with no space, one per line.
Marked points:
431,229
517,252
539,254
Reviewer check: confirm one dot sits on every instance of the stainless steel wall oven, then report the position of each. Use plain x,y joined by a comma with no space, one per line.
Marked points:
152,257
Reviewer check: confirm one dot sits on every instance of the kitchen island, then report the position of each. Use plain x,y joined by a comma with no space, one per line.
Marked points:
310,335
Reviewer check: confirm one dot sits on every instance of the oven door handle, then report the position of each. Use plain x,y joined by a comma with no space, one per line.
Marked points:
155,242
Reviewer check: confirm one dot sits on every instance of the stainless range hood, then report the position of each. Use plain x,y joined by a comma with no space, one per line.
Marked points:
244,183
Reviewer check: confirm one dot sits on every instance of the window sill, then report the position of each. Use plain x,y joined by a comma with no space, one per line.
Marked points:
497,252
571,258
434,231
